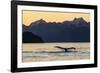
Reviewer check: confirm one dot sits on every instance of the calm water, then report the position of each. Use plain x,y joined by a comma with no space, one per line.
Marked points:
48,52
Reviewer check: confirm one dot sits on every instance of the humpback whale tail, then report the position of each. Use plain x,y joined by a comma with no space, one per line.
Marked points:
65,49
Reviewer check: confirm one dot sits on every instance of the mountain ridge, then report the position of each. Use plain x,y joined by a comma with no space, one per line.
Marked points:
44,21
77,30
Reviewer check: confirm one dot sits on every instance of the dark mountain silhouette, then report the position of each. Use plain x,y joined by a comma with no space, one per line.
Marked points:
77,30
29,37
41,21
24,28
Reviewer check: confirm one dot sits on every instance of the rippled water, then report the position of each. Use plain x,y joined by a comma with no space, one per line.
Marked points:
48,52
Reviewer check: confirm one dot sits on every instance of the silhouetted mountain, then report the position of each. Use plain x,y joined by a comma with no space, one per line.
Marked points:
41,21
79,20
24,28
29,37
77,30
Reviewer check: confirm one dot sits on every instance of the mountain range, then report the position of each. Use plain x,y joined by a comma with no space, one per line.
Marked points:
77,30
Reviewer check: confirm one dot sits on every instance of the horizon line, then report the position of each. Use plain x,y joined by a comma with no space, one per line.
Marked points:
57,22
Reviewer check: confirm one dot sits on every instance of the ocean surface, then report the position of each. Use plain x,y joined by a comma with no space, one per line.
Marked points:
37,52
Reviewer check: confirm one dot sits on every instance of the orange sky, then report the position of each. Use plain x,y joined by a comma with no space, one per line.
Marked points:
31,16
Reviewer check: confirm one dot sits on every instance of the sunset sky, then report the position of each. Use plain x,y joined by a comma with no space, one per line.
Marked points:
30,16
